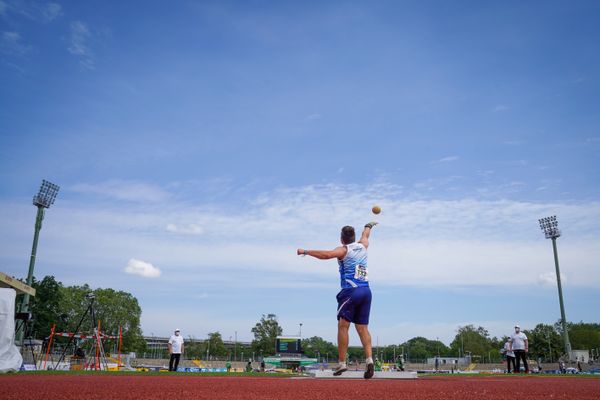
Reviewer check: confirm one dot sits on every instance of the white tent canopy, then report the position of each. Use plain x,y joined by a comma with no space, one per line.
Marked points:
10,357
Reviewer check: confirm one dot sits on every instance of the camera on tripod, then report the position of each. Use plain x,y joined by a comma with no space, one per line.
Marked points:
97,346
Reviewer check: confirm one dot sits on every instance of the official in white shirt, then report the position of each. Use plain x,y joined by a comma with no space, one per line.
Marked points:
175,350
520,346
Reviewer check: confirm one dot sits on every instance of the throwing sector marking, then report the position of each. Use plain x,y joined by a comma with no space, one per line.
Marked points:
360,375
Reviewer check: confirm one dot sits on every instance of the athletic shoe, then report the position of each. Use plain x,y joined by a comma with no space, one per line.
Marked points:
340,370
370,371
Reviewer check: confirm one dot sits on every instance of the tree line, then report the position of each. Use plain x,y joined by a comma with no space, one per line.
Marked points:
545,342
64,306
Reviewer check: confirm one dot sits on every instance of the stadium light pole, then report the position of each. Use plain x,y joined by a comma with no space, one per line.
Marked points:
42,200
549,226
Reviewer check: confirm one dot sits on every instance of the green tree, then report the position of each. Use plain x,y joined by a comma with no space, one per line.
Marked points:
545,342
194,348
215,345
113,309
355,353
419,349
265,335
65,306
46,306
476,342
584,336
392,352
317,346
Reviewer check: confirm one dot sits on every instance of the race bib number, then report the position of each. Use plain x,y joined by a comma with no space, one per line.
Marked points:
361,273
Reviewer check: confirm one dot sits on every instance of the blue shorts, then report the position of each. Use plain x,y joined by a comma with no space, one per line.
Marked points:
354,305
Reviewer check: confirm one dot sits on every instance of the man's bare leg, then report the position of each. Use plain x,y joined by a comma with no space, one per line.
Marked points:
365,339
343,327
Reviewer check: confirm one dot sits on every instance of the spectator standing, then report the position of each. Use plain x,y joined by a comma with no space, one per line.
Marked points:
175,350
520,346
510,356
377,364
400,363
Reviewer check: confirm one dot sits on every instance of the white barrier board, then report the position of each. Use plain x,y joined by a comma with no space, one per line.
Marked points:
360,375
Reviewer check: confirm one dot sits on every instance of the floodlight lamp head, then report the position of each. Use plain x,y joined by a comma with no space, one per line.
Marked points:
549,226
47,194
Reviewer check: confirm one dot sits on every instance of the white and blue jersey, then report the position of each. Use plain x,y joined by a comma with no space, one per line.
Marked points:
354,300
353,267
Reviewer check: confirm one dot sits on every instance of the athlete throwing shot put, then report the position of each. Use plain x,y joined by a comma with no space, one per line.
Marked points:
354,300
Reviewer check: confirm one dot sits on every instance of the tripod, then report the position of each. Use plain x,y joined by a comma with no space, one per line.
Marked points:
25,322
98,354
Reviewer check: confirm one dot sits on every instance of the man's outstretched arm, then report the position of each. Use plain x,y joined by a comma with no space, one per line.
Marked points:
338,252
364,238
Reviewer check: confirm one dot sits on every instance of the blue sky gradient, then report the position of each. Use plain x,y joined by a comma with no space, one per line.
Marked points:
208,140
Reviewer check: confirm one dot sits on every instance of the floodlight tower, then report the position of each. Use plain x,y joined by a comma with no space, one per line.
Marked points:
42,200
549,226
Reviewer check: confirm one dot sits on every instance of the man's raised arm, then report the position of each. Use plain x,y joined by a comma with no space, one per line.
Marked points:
364,238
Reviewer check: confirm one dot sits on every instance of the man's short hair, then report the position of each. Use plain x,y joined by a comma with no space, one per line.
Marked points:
348,236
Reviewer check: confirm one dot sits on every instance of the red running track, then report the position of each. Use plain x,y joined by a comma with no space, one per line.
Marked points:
125,387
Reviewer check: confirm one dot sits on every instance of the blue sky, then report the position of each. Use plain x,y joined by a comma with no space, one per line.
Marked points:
198,144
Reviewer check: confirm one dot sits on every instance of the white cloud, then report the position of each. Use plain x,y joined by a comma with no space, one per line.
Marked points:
39,12
418,242
141,268
80,35
549,278
474,262
185,229
486,173
51,11
500,108
313,117
132,191
447,159
12,43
